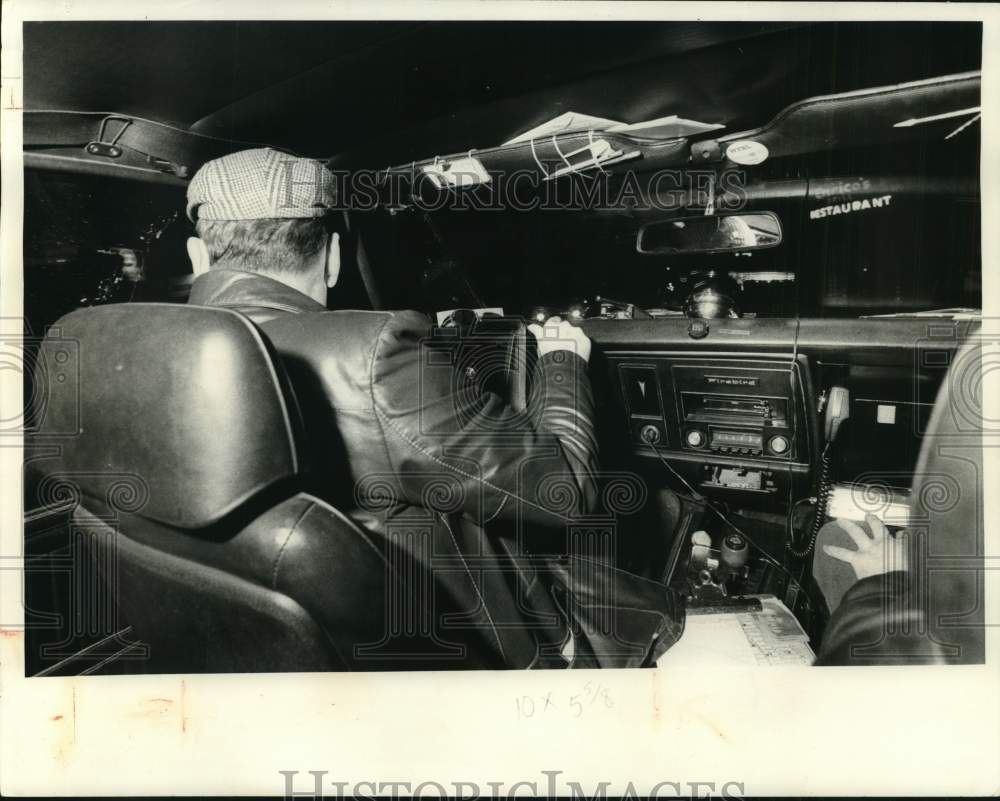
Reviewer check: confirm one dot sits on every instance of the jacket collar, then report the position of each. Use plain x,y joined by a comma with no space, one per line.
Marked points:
229,287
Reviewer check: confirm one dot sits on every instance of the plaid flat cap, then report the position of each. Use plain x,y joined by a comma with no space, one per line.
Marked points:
260,184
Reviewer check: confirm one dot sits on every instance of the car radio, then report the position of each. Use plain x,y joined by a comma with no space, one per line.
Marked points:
728,405
728,425
723,440
739,425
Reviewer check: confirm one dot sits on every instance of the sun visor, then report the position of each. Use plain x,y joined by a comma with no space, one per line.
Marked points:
547,158
939,107
78,141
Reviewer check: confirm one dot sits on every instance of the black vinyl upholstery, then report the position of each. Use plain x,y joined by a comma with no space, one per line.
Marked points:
185,399
179,443
947,511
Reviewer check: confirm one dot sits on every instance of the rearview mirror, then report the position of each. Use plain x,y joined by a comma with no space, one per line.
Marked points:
717,233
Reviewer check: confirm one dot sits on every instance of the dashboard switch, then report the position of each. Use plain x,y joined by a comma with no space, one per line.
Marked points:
650,434
694,438
778,444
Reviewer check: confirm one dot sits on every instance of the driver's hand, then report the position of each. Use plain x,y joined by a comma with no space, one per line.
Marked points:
879,553
556,334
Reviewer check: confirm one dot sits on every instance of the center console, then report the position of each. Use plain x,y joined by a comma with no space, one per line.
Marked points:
739,426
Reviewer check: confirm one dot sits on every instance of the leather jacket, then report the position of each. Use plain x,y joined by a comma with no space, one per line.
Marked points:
883,620
400,417
426,467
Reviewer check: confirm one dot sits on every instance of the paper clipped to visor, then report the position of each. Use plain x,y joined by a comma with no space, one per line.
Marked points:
457,173
672,127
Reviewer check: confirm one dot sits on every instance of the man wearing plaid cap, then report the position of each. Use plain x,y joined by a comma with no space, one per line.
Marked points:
396,444
262,220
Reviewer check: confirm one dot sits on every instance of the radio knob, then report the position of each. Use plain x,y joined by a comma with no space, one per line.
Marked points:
695,438
779,444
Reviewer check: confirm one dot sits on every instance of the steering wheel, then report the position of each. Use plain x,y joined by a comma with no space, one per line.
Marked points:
495,355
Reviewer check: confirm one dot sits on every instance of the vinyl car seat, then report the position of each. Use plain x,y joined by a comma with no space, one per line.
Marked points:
175,432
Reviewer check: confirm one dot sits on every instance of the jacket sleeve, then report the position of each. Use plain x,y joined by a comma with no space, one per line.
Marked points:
459,451
879,621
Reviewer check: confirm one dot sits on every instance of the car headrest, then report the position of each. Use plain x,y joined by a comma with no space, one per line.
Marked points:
182,404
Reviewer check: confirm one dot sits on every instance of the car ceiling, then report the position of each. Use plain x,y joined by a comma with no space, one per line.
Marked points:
376,93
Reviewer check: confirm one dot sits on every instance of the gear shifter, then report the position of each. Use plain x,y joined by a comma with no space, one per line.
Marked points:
716,575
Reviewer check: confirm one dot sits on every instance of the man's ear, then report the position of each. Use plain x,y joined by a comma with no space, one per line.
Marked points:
333,260
198,253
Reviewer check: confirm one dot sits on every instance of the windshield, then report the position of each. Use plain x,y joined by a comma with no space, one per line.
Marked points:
863,233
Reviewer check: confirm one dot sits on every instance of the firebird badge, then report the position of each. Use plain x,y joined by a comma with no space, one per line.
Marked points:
732,380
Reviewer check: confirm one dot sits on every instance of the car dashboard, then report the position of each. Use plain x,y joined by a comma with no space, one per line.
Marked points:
739,425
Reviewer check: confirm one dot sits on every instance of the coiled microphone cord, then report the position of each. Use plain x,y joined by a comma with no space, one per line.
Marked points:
824,491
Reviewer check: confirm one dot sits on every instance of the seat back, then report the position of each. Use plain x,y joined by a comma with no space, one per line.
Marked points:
947,512
177,436
935,611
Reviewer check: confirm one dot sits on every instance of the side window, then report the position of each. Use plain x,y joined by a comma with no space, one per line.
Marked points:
90,240
887,253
